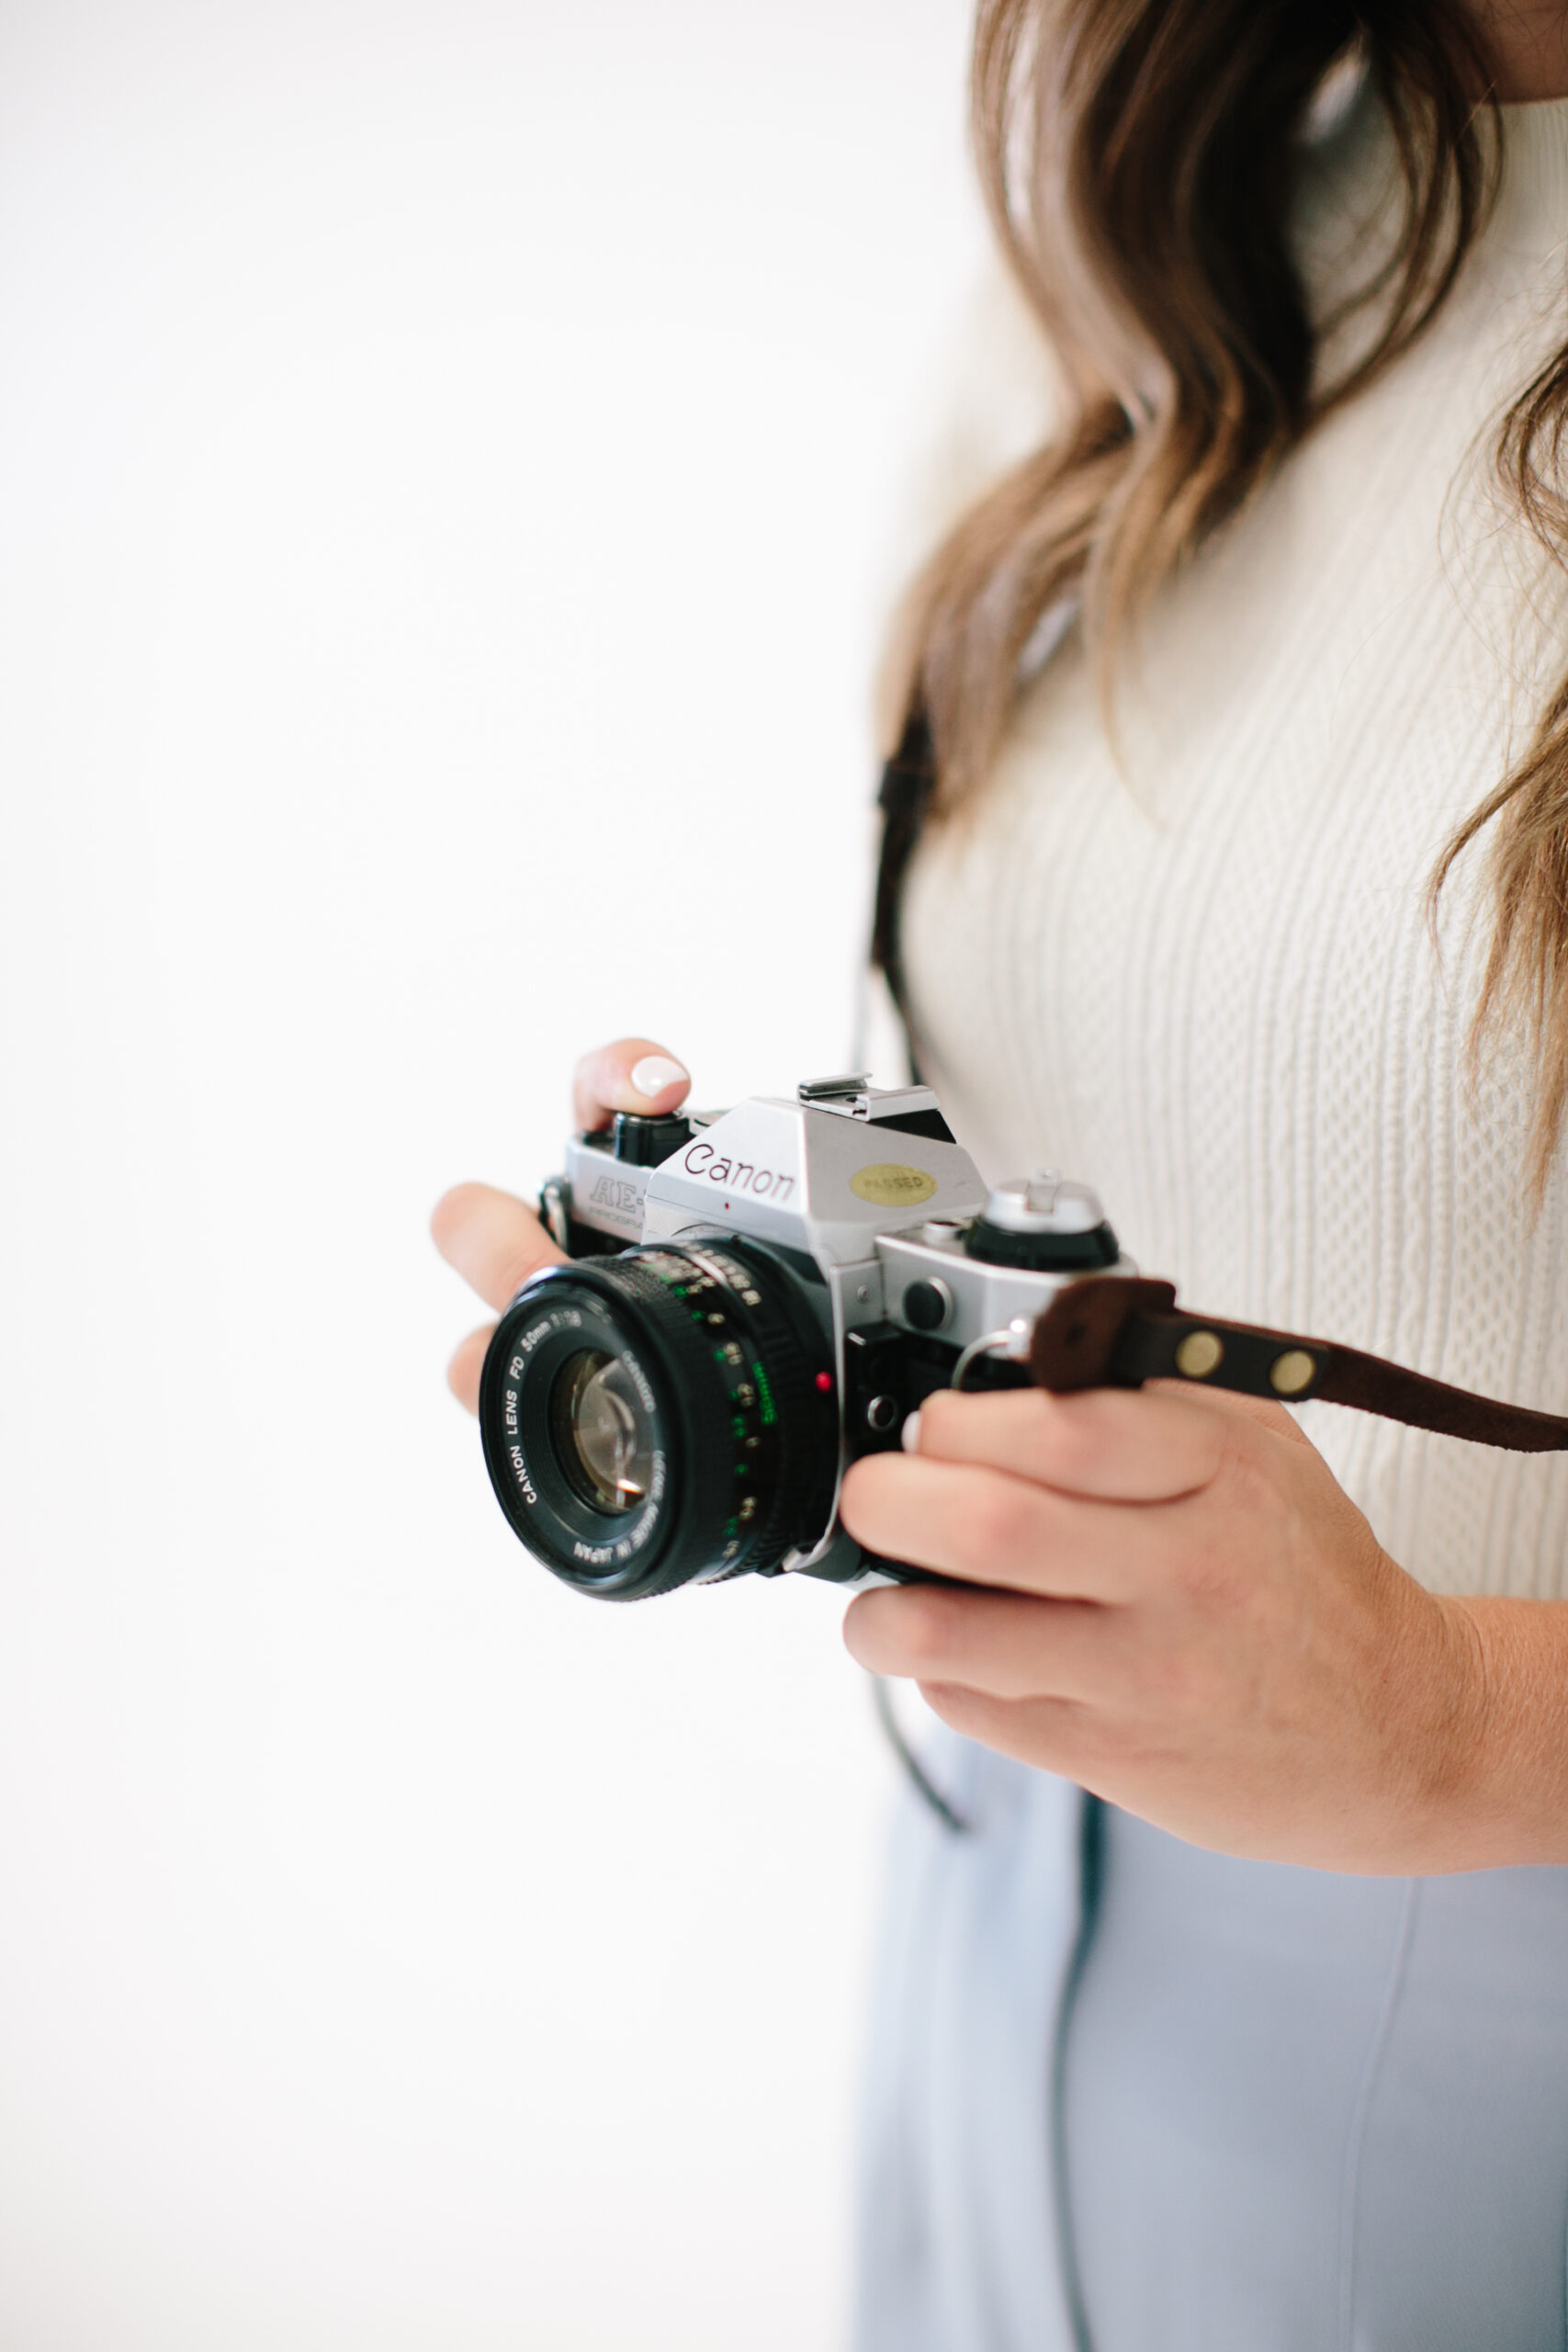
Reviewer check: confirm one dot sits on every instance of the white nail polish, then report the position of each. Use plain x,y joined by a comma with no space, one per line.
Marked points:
655,1072
910,1433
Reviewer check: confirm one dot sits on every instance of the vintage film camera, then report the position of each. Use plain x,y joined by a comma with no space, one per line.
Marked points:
755,1299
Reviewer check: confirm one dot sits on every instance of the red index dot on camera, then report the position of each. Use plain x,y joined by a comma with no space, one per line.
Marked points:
824,1382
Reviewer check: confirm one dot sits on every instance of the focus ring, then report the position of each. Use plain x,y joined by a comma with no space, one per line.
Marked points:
804,1422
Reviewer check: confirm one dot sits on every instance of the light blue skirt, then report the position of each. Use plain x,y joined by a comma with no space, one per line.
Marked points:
1126,2096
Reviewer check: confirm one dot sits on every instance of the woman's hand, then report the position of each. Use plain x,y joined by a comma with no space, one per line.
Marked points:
496,1242
1184,1613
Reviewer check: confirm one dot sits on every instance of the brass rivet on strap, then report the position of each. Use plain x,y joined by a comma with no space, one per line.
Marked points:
1293,1372
1200,1353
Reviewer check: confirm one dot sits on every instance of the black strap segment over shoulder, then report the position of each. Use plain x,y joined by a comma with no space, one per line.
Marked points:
908,782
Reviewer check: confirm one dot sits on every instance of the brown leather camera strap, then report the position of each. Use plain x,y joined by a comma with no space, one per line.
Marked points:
1116,1331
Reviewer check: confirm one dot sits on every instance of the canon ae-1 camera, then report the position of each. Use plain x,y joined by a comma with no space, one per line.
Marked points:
754,1299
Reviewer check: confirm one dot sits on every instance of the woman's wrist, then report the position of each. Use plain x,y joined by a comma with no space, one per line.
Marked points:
1500,1789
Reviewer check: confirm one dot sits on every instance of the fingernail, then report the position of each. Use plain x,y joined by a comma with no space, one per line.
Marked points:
911,1433
655,1072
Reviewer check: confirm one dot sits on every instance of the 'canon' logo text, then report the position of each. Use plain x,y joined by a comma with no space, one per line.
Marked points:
736,1175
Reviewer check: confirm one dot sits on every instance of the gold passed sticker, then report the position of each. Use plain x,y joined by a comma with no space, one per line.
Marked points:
889,1186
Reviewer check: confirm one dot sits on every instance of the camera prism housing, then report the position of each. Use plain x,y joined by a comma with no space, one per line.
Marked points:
753,1300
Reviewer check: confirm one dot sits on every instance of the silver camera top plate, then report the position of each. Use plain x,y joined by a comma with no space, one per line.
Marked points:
810,1177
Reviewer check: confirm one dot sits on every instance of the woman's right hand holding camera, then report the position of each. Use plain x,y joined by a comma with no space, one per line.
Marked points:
495,1240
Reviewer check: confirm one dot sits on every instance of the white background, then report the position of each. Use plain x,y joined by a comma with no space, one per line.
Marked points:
451,457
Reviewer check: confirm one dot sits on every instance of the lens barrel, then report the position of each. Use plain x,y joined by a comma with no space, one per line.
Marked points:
662,1417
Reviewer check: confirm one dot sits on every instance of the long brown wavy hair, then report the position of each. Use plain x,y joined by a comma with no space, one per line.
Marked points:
1138,159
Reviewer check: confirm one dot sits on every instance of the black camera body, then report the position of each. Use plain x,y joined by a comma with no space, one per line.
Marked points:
755,1299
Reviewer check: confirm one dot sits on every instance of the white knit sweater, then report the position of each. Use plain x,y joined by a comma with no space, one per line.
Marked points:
1204,978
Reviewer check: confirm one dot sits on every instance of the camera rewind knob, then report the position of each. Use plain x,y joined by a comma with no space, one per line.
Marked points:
643,1142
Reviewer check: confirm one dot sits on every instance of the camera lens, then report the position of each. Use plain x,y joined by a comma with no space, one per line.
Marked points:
663,1418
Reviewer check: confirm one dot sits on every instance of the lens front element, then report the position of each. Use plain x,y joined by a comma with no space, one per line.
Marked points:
604,1438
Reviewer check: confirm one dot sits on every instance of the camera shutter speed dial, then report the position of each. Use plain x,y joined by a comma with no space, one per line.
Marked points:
1044,1223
